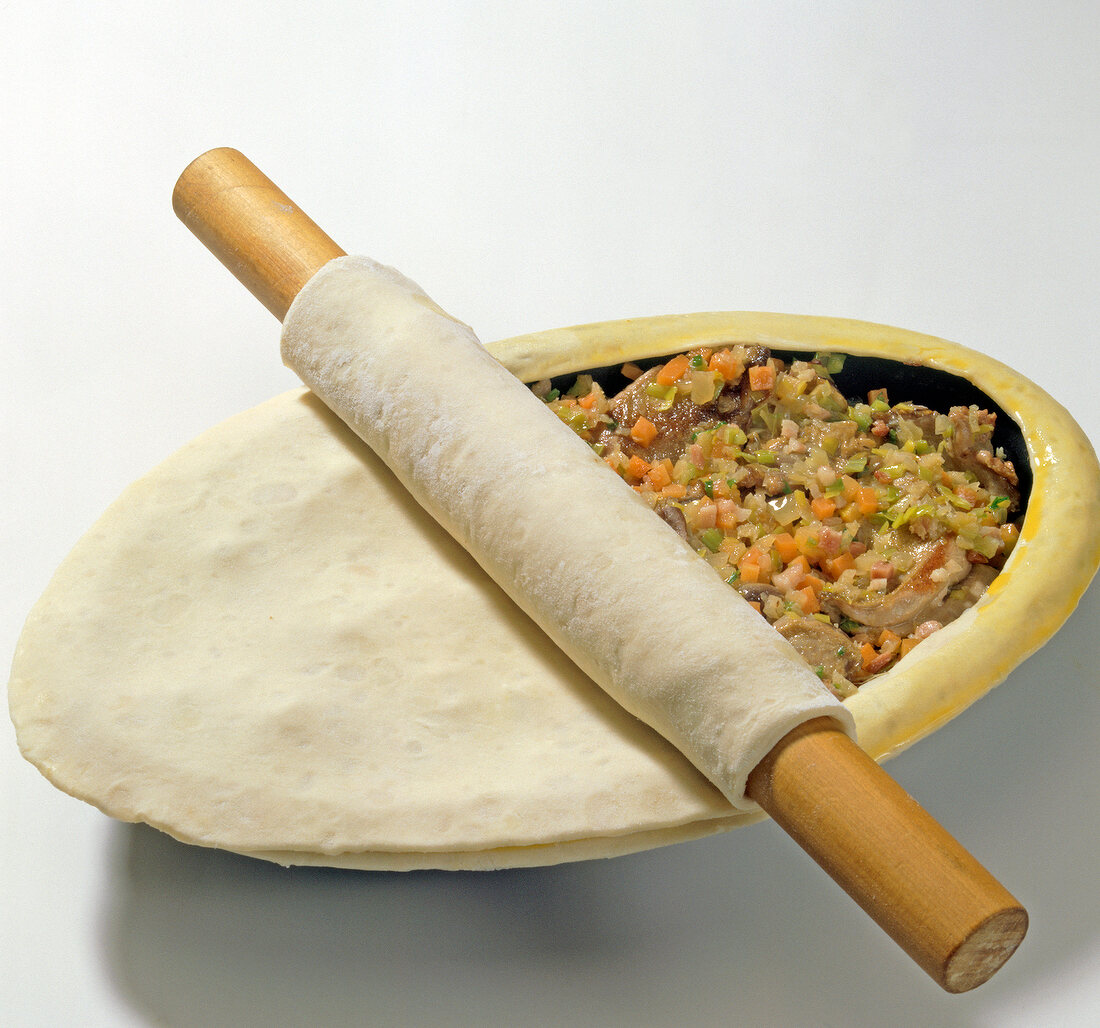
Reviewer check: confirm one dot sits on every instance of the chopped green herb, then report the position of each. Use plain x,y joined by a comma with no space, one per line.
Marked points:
833,363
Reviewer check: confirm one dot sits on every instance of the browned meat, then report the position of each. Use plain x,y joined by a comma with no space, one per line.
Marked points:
675,425
757,592
673,516
923,417
917,596
679,422
965,594
972,452
966,449
823,647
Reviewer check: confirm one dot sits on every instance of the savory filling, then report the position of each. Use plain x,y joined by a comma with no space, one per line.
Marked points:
856,528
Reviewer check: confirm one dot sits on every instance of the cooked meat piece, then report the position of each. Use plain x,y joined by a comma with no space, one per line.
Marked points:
733,403
917,596
822,647
965,594
966,450
923,417
673,516
757,592
675,423
757,356
972,453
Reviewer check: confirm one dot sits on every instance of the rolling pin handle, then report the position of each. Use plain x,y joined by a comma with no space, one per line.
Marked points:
269,244
897,862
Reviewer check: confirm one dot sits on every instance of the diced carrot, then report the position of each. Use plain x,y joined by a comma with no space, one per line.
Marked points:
762,377
814,583
908,644
588,401
673,371
888,640
675,491
636,467
727,365
786,547
643,432
755,564
867,501
807,599
836,566
823,507
750,570
659,475
867,654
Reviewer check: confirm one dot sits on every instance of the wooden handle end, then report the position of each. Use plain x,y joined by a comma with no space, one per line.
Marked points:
927,892
270,245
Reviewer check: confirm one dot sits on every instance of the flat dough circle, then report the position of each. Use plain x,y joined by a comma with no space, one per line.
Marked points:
265,645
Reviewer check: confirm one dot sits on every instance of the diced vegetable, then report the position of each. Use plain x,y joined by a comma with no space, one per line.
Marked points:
762,377
673,371
643,432
800,496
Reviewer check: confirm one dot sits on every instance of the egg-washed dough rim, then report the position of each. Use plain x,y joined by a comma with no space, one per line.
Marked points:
1042,581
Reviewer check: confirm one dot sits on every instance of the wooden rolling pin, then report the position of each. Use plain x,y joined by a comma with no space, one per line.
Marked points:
927,892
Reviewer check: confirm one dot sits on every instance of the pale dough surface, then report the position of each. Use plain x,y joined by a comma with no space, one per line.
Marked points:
266,645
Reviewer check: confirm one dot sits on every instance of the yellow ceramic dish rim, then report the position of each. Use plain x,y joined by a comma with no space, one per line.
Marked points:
1059,547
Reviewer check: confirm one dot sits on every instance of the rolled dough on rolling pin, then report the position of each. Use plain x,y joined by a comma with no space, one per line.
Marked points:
613,586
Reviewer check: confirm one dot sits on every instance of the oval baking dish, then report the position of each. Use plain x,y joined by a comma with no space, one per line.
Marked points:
1059,547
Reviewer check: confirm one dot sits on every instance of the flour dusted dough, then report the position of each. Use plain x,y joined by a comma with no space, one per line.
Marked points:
614,587
266,645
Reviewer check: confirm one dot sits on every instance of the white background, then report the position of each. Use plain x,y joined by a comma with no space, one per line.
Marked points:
932,166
